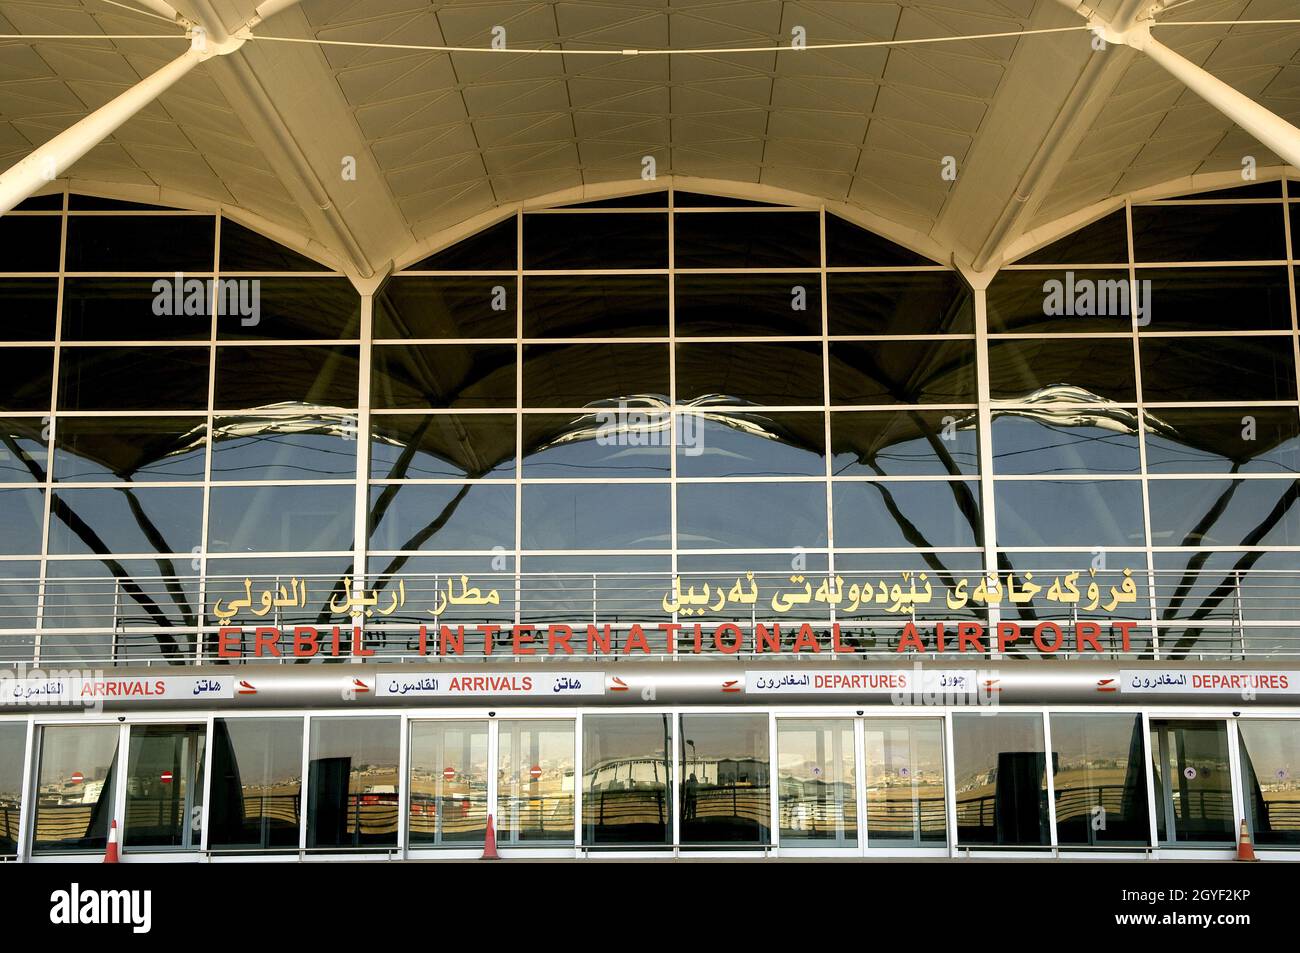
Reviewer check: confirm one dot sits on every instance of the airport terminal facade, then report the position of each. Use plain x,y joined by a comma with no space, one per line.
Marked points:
665,522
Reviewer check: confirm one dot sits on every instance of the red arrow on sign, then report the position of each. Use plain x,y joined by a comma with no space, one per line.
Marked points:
246,689
617,684
1106,685
732,685
165,777
535,772
359,685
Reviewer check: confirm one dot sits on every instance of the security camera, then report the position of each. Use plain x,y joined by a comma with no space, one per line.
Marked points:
492,714
121,718
859,711
1236,714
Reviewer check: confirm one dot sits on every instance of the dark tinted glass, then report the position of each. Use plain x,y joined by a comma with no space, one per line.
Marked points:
161,243
657,199
916,302
774,374
847,244
902,372
138,449
1098,772
416,307
626,786
1065,442
591,241
41,203
147,520
578,375
608,443
1227,368
280,518
492,249
739,305
31,242
724,787
927,514
22,450
442,516
1000,779
443,375
27,373
442,445
256,783
1068,512
1260,190
243,249
604,306
1073,302
1222,440
136,309
1217,299
264,377
904,443
134,378
704,200
1105,241
1225,512
726,444
751,515
257,308
30,308
95,203
747,240
21,512
353,782
1208,233
596,516
284,448
79,763
1064,369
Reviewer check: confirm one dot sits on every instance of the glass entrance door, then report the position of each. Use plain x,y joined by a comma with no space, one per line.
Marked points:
449,783
1193,783
164,787
905,775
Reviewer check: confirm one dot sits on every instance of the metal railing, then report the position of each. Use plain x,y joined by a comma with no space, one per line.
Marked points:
1200,613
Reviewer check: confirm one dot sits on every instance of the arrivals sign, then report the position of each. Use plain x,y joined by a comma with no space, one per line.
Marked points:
88,689
508,685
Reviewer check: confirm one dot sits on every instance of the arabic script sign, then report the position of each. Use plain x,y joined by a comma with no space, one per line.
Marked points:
76,689
1185,682
804,682
539,683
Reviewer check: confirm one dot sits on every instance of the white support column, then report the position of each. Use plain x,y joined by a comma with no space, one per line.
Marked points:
55,157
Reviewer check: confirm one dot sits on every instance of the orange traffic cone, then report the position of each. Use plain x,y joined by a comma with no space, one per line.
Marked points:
110,854
490,842
1245,849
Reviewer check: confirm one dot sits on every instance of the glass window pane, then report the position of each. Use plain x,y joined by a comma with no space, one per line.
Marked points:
132,449
1224,512
596,516
722,515
433,446
161,243
904,443
1208,232
913,302
164,787
928,514
295,308
817,801
1063,369
28,373
1105,241
20,521
725,794
284,448
280,518
121,521
535,783
609,443
726,443
443,375
22,449
603,306
462,307
243,249
31,307
19,591
133,378
493,249
582,375
1075,302
256,784
900,372
353,784
627,780
905,782
1218,299
139,602
442,516
1098,776
1067,512
1228,368
13,766
555,242
1270,757
1223,440
74,788
31,242
747,305
449,783
135,309
747,240
775,374
254,378
1000,780
847,244
1049,442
